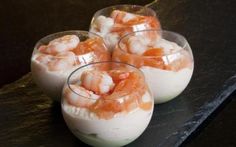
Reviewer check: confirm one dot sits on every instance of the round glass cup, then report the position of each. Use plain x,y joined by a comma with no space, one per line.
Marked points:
167,71
116,24
50,65
113,119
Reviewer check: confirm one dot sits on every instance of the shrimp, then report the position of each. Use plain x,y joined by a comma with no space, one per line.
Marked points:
62,61
122,25
136,46
126,96
97,81
133,59
80,97
111,40
44,58
62,44
133,88
122,16
149,21
103,24
118,75
125,23
131,84
133,20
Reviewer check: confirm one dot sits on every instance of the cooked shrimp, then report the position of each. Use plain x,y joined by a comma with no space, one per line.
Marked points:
125,22
131,84
58,65
97,81
133,88
129,20
80,97
118,75
69,56
122,16
128,93
44,58
123,56
126,96
62,44
136,45
103,24
122,29
111,40
62,61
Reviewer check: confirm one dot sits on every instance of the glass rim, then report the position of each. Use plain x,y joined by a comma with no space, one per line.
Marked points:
149,30
61,32
127,5
94,63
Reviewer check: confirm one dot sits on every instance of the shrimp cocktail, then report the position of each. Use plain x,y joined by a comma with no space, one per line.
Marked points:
116,21
57,55
107,103
164,57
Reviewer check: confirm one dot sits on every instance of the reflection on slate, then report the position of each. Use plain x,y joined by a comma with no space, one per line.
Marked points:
29,118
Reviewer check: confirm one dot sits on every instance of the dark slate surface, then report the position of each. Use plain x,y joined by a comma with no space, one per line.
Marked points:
29,118
218,129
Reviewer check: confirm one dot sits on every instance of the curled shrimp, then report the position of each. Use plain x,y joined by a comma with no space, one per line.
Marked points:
133,22
122,16
103,25
127,95
62,44
44,58
97,81
136,46
62,61
79,97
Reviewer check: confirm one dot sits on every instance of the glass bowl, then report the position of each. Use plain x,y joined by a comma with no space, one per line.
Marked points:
116,21
165,58
57,55
107,103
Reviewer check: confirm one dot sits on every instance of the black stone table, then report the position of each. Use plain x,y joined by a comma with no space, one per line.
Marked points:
29,118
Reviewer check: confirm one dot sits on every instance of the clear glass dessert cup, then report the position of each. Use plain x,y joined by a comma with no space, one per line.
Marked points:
57,55
116,21
114,118
165,58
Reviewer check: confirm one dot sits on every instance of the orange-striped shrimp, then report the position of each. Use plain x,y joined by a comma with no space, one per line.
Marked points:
126,96
118,75
99,82
147,56
122,16
102,24
79,97
62,61
44,58
154,57
136,45
126,22
62,44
